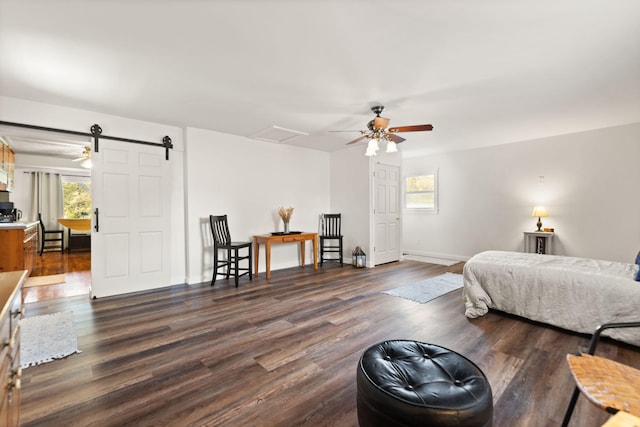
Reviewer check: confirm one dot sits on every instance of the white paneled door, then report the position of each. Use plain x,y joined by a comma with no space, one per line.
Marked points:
130,234
387,213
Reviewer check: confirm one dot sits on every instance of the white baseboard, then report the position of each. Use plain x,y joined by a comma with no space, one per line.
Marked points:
434,258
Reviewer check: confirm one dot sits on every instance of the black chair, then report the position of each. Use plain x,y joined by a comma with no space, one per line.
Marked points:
609,385
47,236
331,238
222,241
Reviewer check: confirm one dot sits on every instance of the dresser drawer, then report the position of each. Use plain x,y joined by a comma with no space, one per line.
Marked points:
9,323
31,232
16,312
5,331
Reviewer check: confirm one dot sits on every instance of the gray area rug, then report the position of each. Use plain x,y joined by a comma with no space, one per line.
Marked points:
46,338
429,289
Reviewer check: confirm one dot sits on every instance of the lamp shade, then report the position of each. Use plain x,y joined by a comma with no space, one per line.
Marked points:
391,147
539,211
372,147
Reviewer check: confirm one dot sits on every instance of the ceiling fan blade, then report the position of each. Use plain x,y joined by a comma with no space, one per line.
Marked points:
344,131
78,159
380,122
395,138
357,140
415,128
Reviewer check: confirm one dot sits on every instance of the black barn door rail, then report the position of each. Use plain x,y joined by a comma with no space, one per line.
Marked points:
96,134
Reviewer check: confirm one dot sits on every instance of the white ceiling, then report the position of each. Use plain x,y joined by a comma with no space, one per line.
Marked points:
482,72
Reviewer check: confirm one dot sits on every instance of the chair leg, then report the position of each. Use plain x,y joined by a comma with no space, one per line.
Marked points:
570,408
215,266
235,265
251,262
341,260
228,263
321,252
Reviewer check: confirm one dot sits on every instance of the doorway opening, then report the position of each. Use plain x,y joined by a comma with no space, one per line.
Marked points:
56,274
74,268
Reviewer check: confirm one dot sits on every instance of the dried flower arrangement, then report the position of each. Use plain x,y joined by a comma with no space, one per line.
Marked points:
285,214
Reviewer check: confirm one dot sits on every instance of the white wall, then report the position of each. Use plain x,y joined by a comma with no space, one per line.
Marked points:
22,111
352,195
249,180
487,195
349,183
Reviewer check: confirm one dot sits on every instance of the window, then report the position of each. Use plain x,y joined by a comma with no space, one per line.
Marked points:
76,196
421,192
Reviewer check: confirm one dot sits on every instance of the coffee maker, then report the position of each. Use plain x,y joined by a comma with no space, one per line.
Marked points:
8,213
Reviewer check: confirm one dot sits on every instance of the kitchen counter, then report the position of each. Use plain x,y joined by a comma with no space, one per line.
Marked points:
10,284
17,225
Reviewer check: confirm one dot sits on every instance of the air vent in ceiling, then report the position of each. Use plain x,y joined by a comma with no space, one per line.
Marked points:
277,134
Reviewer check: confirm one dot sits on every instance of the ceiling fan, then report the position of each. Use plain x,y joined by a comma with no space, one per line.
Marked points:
85,158
377,132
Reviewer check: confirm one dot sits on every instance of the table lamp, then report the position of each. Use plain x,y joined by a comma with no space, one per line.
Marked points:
539,211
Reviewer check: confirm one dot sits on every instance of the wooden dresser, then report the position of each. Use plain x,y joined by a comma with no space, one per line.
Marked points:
18,246
10,371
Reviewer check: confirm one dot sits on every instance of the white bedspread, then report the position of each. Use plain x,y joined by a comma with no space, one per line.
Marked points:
577,294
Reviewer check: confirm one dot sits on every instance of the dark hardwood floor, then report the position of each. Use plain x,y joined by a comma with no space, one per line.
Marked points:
284,353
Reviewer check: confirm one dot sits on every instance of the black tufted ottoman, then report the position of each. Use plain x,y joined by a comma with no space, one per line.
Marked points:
409,383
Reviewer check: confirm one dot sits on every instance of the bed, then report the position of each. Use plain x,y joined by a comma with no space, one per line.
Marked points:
577,294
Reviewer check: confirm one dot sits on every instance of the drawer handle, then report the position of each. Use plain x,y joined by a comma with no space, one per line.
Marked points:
15,383
16,375
18,312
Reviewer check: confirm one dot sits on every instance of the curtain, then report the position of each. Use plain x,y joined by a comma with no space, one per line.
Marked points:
47,199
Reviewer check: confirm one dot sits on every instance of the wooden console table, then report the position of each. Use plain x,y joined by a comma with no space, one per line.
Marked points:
267,240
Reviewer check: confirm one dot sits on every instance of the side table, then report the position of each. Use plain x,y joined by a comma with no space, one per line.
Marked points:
538,242
268,239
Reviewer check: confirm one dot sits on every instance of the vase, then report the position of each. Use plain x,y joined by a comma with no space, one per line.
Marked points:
286,227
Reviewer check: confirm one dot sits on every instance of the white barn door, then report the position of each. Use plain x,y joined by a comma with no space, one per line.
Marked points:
130,247
387,213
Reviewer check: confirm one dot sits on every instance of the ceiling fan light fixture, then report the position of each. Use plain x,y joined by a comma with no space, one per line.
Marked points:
372,147
378,132
392,147
85,158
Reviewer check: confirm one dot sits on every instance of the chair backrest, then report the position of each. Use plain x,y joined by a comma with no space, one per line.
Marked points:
331,224
220,229
42,229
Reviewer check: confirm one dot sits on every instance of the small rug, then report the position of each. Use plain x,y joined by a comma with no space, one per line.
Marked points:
46,338
53,279
429,289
